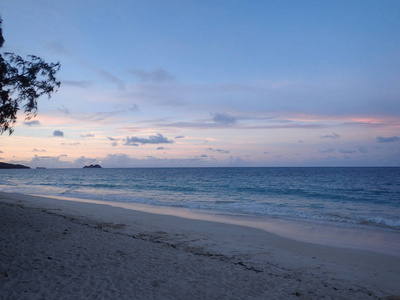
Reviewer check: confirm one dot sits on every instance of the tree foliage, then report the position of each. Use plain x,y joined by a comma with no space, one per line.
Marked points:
22,82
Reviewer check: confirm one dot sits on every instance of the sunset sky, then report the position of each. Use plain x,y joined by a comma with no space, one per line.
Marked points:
210,83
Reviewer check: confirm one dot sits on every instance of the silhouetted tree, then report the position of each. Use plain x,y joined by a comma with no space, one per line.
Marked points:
23,82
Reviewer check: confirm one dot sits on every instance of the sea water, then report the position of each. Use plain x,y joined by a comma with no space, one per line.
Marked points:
346,197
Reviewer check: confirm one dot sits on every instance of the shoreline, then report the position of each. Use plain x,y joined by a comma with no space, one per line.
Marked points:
175,253
352,237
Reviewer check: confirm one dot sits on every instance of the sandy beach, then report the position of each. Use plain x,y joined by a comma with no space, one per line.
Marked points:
58,249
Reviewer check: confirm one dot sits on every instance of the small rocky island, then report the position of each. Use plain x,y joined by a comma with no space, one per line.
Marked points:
93,167
12,166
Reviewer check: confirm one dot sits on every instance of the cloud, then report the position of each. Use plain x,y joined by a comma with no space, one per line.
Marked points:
327,151
81,83
128,142
84,161
330,136
393,139
72,144
158,94
63,110
133,107
118,160
58,133
87,135
32,123
114,141
362,149
112,160
180,137
48,161
153,139
191,125
57,162
124,161
56,48
161,148
158,75
46,157
218,150
96,116
1,151
111,78
217,125
347,151
37,150
224,118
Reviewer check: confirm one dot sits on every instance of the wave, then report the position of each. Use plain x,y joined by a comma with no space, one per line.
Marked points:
337,197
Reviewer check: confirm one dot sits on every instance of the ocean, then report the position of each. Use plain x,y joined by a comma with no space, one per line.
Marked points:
344,197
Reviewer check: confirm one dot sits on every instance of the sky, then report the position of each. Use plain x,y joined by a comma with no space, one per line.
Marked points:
210,83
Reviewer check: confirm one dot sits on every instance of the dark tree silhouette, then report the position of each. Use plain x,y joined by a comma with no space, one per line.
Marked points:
22,82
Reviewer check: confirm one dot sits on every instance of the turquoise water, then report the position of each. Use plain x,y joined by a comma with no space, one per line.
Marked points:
357,197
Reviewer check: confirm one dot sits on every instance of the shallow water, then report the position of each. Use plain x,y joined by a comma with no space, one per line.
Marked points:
344,197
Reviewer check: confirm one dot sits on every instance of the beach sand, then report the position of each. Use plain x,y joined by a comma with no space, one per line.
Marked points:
58,249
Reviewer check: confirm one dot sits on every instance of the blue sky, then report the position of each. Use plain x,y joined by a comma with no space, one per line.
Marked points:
210,83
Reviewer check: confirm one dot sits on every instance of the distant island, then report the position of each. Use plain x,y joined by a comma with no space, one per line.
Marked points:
92,167
12,166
